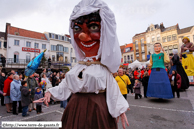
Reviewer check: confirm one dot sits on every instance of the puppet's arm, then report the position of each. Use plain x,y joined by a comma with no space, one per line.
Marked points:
151,62
166,58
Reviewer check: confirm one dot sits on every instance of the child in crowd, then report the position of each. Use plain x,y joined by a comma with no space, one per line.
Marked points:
137,89
25,98
38,95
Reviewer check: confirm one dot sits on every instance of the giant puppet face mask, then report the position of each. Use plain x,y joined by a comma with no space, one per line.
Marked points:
157,47
86,30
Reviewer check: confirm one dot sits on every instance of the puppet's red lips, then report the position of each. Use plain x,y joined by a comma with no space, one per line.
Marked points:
90,45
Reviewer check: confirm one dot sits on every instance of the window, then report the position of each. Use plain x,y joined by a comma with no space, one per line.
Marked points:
66,59
50,35
36,45
175,46
28,44
59,37
128,57
71,50
27,57
152,29
164,39
131,57
143,56
53,57
60,48
56,36
158,38
174,37
53,36
66,49
62,37
142,48
0,44
53,48
16,57
153,39
148,39
169,38
75,60
59,56
16,42
71,59
142,41
43,46
166,49
170,49
124,59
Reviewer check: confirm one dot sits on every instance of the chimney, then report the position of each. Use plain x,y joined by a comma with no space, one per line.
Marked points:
7,30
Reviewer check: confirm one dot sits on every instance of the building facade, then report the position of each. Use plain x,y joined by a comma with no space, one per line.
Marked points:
23,45
169,36
122,50
61,50
128,54
3,45
140,47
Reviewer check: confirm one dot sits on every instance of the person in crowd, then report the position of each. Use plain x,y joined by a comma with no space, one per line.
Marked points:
15,94
13,71
137,89
25,98
186,52
145,80
123,81
175,80
38,95
49,62
2,79
57,82
54,78
142,73
20,77
3,60
32,84
6,90
136,74
176,65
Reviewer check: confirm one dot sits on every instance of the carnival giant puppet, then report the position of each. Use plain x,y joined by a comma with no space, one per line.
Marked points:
187,57
176,65
159,85
96,101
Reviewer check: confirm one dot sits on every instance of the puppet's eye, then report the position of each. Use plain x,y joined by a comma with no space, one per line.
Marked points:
76,28
94,27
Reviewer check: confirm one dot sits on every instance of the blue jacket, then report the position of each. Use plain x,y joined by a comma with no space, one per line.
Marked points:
15,92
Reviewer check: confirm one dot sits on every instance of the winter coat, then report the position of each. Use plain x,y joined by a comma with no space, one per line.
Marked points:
177,80
7,85
3,60
15,92
25,96
38,96
2,79
136,74
137,89
145,81
32,84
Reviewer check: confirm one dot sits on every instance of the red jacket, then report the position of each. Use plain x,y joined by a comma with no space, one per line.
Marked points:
178,80
136,74
149,71
142,73
7,85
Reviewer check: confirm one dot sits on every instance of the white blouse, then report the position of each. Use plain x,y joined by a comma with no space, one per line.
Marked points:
94,78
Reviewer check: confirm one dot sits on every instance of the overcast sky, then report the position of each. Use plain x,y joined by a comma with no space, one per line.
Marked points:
132,16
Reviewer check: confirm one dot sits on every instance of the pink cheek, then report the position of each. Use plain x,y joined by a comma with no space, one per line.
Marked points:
95,36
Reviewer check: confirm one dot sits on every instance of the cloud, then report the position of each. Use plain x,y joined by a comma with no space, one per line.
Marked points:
132,16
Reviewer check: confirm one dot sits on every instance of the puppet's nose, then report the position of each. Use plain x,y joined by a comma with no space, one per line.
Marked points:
84,37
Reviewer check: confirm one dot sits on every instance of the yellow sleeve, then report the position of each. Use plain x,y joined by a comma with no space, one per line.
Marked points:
166,58
116,78
151,62
128,81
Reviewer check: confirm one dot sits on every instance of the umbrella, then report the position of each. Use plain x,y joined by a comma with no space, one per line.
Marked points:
33,65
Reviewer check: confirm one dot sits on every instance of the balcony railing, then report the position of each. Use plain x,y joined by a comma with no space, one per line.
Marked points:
22,63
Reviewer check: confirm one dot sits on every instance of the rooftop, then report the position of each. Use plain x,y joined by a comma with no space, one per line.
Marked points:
185,30
129,47
25,33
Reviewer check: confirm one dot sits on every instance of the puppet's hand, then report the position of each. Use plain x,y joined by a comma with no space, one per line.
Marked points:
163,49
46,99
123,119
185,48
